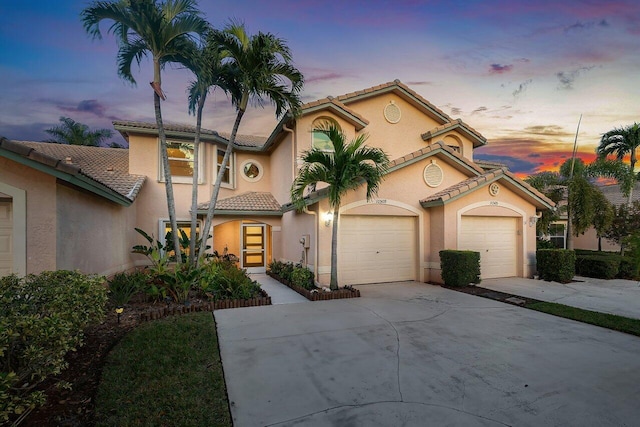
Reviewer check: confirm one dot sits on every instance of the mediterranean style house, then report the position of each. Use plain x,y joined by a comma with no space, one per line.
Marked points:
76,207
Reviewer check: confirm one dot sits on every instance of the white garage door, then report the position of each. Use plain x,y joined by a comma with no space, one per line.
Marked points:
496,240
375,249
6,240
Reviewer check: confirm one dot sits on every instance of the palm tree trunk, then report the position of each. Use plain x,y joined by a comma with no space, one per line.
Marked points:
194,186
333,284
216,188
168,184
632,167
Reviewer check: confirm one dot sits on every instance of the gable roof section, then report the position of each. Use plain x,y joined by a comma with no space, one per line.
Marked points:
102,171
470,185
338,108
431,150
404,92
246,142
471,133
251,203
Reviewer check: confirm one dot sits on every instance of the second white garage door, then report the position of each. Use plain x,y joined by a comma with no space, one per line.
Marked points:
374,249
496,240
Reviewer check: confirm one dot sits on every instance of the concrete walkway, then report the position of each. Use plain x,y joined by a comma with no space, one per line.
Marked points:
279,293
414,354
616,296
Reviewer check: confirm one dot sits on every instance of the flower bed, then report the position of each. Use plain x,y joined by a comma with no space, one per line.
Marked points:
319,294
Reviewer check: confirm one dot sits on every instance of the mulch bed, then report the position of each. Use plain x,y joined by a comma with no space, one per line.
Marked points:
76,407
319,294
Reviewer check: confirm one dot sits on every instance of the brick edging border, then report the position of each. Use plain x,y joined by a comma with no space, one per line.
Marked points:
160,312
320,295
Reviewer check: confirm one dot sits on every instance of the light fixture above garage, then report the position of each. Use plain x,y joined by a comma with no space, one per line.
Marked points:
328,217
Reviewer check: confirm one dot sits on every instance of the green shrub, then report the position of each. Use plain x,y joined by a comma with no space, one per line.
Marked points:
459,268
276,267
286,272
629,269
557,265
123,286
42,318
303,277
222,280
598,266
544,244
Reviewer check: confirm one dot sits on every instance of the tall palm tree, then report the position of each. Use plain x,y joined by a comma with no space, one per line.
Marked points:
622,142
261,69
345,168
162,30
75,133
210,73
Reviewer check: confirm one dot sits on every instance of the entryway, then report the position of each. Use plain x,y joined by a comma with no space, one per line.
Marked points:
253,256
6,236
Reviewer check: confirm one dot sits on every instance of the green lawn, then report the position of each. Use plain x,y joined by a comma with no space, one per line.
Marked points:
611,321
165,373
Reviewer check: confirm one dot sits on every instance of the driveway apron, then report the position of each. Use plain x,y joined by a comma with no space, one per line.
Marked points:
416,354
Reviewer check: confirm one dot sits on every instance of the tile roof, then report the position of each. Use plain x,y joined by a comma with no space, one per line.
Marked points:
333,103
390,86
614,194
468,185
408,158
247,202
106,166
248,141
489,165
458,123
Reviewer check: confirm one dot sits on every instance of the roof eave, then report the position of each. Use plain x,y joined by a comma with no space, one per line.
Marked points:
243,213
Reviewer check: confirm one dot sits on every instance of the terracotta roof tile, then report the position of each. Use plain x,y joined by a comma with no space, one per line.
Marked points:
241,140
463,186
432,147
330,100
454,124
251,201
614,194
107,166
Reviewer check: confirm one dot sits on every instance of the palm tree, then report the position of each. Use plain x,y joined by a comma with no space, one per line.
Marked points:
345,168
210,73
75,133
163,31
261,66
622,142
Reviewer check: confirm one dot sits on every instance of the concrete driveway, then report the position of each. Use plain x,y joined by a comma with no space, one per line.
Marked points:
417,355
616,296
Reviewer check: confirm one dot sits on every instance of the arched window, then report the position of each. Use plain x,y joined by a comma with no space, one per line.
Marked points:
319,138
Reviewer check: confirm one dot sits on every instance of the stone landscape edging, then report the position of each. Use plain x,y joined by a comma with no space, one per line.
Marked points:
320,295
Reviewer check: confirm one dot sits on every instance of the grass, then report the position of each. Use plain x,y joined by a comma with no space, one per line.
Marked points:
166,372
610,321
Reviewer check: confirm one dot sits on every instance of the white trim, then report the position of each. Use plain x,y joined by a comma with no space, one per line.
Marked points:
19,207
232,169
389,202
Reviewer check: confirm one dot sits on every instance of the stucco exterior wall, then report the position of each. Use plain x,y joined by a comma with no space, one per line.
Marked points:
95,236
40,190
589,240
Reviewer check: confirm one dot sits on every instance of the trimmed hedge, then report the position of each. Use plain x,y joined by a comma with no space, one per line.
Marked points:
629,269
557,265
459,268
601,267
42,318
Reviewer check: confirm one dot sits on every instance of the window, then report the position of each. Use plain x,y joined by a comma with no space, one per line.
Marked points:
557,235
165,227
251,170
181,162
227,177
319,138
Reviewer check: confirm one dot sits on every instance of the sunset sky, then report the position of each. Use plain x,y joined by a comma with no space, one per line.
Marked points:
520,72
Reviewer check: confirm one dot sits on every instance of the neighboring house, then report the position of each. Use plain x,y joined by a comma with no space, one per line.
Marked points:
65,207
434,197
589,240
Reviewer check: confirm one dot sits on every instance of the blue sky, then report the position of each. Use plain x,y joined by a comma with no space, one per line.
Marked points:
520,72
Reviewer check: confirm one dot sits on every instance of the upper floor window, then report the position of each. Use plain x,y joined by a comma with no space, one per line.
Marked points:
320,140
227,177
181,162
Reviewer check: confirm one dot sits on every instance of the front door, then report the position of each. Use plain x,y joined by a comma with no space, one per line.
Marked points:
253,248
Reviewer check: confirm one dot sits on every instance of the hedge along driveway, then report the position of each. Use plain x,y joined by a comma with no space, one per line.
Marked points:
616,296
416,354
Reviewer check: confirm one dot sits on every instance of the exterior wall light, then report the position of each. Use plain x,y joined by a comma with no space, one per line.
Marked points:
328,217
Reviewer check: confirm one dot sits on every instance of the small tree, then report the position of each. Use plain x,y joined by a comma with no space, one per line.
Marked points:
622,142
75,133
626,220
345,168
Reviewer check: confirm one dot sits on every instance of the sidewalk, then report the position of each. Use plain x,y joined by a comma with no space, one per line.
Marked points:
279,293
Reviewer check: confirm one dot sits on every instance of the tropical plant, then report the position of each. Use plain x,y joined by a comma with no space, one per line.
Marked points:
210,73
75,133
551,185
626,221
162,30
261,67
622,142
345,168
123,286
